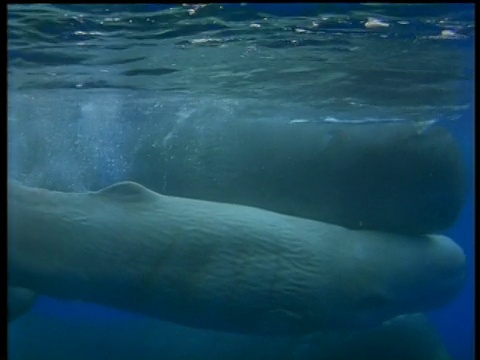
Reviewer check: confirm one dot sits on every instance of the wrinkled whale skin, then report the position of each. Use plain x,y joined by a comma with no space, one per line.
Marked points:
221,266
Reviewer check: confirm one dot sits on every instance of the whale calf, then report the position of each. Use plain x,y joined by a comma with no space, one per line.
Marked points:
221,266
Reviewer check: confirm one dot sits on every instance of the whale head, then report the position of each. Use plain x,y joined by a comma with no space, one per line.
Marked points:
414,275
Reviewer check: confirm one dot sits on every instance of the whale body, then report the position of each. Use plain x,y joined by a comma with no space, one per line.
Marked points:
221,266
396,177
408,337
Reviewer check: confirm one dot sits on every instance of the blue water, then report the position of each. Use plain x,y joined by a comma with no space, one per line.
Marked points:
154,63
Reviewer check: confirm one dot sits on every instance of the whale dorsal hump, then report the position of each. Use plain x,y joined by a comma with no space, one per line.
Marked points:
126,191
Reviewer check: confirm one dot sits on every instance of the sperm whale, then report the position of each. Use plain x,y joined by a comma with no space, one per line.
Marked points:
221,266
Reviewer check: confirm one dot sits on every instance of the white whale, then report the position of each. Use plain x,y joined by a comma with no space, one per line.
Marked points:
221,266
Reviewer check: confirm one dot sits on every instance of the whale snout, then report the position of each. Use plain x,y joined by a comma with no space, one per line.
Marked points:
448,265
437,275
422,274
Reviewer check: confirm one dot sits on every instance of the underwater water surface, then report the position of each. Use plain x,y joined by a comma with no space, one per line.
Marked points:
89,85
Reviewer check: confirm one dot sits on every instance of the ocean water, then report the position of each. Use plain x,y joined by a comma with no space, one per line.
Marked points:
88,85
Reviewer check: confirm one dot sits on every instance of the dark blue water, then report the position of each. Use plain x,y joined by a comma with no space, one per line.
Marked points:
153,63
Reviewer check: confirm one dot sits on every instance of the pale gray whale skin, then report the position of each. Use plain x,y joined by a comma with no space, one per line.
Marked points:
221,266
